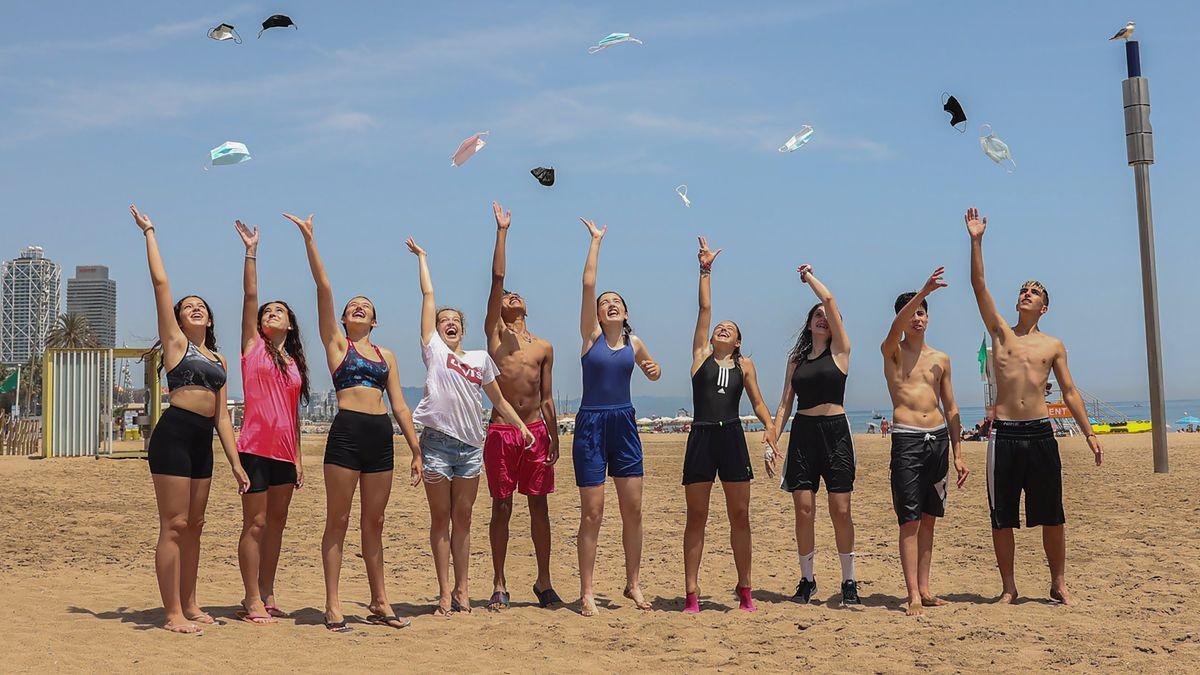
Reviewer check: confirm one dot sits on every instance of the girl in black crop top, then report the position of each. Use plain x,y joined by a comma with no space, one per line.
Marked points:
180,450
716,443
820,447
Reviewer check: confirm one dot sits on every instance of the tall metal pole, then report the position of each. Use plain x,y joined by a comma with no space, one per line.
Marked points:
1139,146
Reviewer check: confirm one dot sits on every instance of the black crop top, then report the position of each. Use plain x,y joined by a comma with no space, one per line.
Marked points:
196,370
716,392
818,381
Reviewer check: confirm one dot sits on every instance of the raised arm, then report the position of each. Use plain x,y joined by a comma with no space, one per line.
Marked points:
704,314
953,420
992,320
169,333
428,304
492,320
891,343
840,341
549,414
403,417
1074,401
249,285
589,325
327,322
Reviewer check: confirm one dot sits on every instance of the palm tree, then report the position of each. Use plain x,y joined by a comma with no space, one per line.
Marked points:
71,331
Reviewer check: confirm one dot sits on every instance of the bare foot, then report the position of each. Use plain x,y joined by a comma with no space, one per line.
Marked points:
588,606
634,593
183,628
201,617
443,608
1060,595
932,601
914,609
1007,597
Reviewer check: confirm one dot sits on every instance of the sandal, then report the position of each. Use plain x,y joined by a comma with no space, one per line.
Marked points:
184,629
388,621
500,600
547,598
337,626
456,606
257,619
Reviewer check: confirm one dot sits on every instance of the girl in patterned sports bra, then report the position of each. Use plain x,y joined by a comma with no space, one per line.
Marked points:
358,451
716,444
180,452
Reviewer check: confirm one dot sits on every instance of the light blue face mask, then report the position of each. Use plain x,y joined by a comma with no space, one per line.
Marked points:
995,149
800,138
612,39
229,152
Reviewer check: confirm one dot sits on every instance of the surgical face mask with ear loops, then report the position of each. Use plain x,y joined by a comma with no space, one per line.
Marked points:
996,149
682,192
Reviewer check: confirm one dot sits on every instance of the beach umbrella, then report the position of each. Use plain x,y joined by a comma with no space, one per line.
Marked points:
1189,419
468,148
645,420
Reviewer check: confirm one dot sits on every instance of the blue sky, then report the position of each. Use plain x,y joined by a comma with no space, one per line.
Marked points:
354,117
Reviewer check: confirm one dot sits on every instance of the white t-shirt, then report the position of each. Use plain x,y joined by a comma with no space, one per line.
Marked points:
453,400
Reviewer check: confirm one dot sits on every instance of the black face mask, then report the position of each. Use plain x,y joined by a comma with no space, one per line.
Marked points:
957,116
544,176
277,21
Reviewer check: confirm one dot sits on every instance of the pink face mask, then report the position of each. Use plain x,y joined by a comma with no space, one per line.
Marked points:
468,149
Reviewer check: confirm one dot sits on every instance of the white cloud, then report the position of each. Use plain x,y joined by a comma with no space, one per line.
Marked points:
348,121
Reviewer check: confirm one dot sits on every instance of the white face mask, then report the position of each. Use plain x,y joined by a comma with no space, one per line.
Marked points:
996,149
612,39
682,192
798,139
225,32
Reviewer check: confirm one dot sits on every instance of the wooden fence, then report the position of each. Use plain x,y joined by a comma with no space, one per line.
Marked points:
20,437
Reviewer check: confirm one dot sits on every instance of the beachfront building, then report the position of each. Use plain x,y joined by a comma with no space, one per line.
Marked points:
29,302
91,294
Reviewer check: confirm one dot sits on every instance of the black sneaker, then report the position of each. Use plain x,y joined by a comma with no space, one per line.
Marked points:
805,590
850,593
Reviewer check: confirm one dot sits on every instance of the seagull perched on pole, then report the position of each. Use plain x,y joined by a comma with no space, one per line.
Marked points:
1125,33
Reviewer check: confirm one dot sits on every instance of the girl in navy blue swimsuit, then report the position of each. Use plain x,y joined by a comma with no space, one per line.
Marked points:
606,438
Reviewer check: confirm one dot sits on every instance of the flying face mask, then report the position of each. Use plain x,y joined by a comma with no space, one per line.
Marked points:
798,139
995,149
682,192
612,39
957,116
225,32
277,21
544,176
229,152
467,149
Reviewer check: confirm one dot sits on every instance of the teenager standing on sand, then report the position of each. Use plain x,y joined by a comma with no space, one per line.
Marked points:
925,426
1022,451
358,450
180,450
525,362
274,383
820,445
716,444
606,437
451,412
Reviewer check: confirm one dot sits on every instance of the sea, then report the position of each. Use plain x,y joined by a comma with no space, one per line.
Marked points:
1132,410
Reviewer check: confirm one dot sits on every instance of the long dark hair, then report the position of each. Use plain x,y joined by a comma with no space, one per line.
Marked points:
626,329
210,334
293,346
804,341
374,313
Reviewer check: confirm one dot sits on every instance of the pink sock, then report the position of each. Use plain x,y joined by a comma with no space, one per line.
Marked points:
745,602
692,604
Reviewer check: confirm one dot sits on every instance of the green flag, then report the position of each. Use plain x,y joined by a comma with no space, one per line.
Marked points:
983,358
9,383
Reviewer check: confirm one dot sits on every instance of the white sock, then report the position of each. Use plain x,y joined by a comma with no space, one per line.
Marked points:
847,566
806,564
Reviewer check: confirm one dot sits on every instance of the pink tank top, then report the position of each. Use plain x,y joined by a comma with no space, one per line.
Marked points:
269,424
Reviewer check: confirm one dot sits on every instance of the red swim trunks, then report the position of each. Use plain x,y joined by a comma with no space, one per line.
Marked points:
512,467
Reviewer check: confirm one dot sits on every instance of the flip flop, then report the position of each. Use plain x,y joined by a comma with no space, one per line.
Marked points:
500,600
274,611
337,626
203,618
184,629
257,619
388,621
456,606
547,598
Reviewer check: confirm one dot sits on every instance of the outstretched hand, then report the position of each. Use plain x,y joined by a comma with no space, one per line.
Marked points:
503,218
706,256
412,246
976,225
306,226
597,232
934,281
805,271
249,236
142,220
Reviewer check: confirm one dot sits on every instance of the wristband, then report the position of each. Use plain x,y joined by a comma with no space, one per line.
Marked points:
148,230
250,257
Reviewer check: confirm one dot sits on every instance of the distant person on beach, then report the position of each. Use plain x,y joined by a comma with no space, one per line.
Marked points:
451,412
926,426
358,450
274,383
1023,453
525,363
820,446
606,436
716,444
180,450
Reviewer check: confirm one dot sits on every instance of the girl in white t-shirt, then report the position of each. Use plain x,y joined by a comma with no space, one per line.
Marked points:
452,442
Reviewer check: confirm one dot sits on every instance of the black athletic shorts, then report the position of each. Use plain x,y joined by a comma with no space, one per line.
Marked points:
265,472
716,448
181,444
360,442
1024,456
920,464
819,447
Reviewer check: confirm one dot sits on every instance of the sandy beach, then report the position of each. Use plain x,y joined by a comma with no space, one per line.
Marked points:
77,537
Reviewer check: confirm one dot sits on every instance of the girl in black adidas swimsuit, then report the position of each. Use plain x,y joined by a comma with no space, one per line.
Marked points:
819,447
180,452
716,444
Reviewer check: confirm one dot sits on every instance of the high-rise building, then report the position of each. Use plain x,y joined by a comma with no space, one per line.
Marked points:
91,294
30,288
